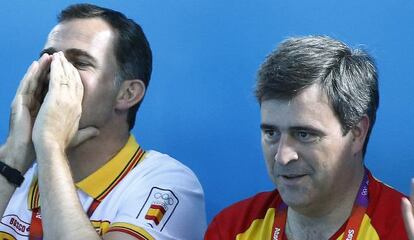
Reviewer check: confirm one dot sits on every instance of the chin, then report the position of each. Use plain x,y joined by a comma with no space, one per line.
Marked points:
296,204
295,197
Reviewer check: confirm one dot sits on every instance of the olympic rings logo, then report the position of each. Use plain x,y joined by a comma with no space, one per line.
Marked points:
364,191
165,197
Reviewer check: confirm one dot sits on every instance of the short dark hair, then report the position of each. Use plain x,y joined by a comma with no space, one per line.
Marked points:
131,48
347,76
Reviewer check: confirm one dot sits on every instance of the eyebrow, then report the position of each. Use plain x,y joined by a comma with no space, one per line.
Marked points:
70,53
294,128
267,126
309,129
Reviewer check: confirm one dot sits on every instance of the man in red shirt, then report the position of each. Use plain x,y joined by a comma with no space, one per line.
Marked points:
318,100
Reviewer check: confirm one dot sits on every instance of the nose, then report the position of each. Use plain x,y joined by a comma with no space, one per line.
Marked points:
286,151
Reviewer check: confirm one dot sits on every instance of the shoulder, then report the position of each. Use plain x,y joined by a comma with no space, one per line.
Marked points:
162,196
159,167
252,207
239,216
160,173
154,159
384,209
381,195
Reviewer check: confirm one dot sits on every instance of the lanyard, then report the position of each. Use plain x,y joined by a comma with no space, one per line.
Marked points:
36,231
354,221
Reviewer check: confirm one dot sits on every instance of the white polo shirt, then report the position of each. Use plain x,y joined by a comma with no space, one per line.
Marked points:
147,195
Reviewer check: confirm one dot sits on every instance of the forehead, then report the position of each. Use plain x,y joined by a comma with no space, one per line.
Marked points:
92,35
309,108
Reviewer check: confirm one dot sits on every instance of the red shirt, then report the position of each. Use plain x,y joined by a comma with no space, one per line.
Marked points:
253,218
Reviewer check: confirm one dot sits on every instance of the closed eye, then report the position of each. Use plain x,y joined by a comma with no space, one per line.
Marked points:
78,57
81,65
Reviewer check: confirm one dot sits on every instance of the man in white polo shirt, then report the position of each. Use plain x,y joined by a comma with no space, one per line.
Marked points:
73,113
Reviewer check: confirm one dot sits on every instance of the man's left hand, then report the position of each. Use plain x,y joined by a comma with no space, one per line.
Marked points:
407,208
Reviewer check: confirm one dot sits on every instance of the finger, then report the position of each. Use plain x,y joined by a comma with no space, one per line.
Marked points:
73,77
83,135
67,78
18,123
36,77
17,106
44,69
56,72
408,216
67,70
44,61
23,89
24,84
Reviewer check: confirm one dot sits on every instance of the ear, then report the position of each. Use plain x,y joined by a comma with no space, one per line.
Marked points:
359,134
130,93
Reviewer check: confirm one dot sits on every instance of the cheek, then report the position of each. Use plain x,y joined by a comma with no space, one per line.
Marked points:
88,81
324,158
265,149
269,152
94,91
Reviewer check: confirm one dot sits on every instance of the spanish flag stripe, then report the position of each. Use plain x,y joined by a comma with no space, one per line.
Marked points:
133,162
128,231
153,218
36,195
138,155
156,213
158,207
30,197
33,195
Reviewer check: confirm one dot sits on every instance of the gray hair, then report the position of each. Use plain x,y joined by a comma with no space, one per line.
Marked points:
347,76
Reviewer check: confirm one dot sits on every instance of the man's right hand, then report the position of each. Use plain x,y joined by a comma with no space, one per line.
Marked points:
18,152
407,208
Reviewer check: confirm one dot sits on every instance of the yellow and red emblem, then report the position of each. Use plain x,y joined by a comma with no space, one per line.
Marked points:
155,213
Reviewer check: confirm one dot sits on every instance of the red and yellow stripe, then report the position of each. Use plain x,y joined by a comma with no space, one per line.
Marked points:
155,213
137,232
139,154
33,199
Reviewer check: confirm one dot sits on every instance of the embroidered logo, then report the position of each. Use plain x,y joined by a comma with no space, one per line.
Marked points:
14,222
276,234
350,235
155,213
158,208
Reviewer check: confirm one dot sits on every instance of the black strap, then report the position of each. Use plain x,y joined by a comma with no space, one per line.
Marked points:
12,175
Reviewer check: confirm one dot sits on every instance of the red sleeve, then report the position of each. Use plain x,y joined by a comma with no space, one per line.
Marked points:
384,210
213,231
237,218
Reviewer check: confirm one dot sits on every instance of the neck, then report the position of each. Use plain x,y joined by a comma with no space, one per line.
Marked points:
322,221
94,153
